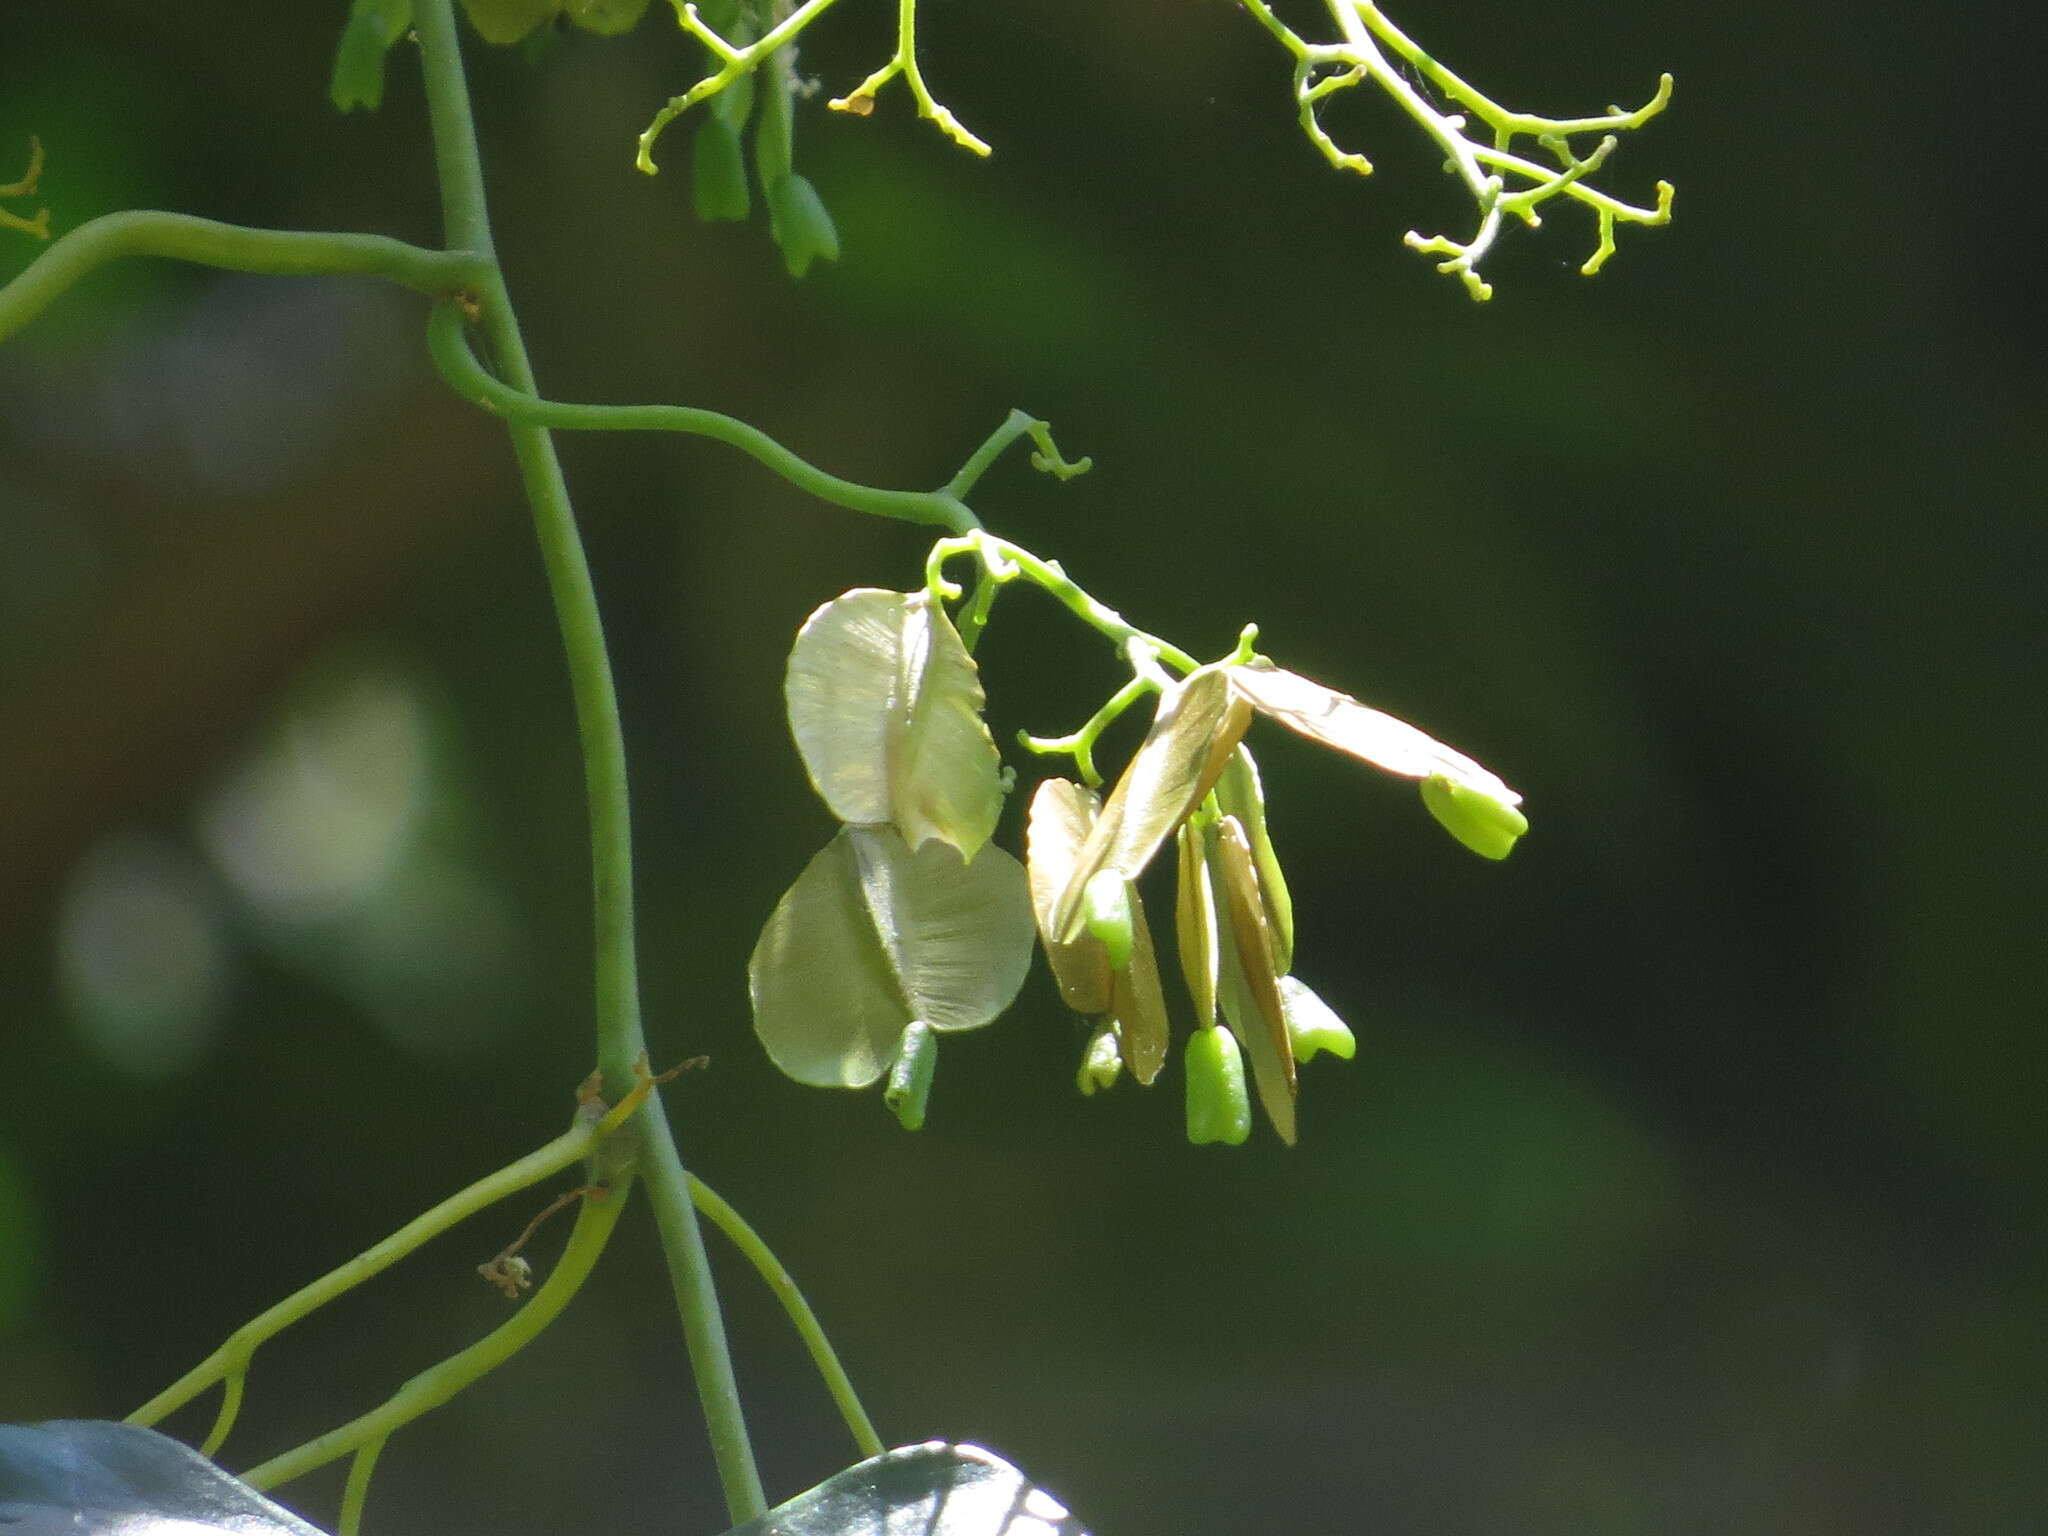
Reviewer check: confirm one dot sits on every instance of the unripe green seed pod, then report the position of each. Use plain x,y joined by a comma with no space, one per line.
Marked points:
1106,905
910,1079
719,172
1312,1025
1483,823
801,226
1102,1063
358,78
1219,1108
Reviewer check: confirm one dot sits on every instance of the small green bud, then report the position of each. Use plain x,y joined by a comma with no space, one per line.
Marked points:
358,78
1101,1064
801,226
1486,824
718,187
1312,1026
1219,1108
910,1079
1106,908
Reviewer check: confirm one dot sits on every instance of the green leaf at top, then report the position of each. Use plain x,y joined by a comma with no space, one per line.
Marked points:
872,938
1193,734
885,704
507,21
606,17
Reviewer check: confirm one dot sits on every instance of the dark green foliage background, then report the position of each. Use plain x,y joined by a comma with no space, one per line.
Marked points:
1688,1180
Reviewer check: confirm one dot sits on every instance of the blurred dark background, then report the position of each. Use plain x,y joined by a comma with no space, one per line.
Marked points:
1688,1177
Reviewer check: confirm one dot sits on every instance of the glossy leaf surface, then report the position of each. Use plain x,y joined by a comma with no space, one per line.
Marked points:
885,704
873,937
932,1489
83,1477
1197,726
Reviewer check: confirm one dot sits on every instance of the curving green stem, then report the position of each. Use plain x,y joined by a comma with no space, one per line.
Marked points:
437,1384
823,1356
232,248
230,1363
357,1489
449,341
1002,562
621,1040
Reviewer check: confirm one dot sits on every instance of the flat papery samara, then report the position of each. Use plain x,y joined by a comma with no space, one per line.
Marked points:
885,704
873,937
1198,725
1062,812
1240,793
1373,736
1247,985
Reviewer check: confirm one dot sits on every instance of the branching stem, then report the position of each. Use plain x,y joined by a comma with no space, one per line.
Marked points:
230,1363
621,1039
459,366
436,1385
229,247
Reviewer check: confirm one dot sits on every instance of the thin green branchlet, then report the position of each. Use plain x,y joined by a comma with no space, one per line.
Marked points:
620,1038
1367,48
1488,170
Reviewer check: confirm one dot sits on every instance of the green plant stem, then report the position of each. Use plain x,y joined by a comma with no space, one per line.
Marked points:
230,1362
357,1489
436,1385
779,1281
621,1040
230,247
449,342
1003,561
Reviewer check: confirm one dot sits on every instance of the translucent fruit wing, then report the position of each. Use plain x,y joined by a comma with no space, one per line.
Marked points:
873,937
1139,1004
945,773
885,705
1247,984
1198,723
1471,802
1061,814
1338,720
1195,923
1240,793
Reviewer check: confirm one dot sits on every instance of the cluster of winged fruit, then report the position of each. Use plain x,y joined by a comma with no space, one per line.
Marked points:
909,923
